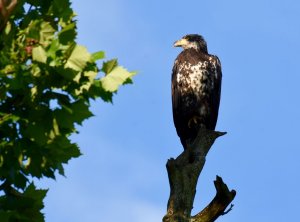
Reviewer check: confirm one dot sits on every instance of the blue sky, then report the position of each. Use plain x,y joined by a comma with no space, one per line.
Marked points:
122,174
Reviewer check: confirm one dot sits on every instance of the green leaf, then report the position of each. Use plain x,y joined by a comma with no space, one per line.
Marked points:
33,2
67,34
91,75
63,11
109,66
54,47
97,90
63,116
36,132
26,207
36,194
20,180
39,54
80,111
4,215
67,73
98,55
8,117
46,33
78,58
117,77
33,29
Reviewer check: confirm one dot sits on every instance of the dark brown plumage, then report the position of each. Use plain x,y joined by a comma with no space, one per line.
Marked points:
196,88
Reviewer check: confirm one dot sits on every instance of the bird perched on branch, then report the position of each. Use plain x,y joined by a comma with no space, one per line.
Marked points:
196,88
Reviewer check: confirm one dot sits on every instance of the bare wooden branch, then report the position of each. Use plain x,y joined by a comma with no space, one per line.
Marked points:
6,8
218,205
183,175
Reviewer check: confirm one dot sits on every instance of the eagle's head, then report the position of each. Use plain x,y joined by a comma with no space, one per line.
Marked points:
192,41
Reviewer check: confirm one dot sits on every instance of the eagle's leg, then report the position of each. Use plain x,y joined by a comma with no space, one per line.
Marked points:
196,121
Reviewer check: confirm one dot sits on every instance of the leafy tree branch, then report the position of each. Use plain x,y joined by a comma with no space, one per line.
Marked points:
47,81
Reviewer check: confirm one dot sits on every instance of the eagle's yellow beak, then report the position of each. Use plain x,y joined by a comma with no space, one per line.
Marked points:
180,43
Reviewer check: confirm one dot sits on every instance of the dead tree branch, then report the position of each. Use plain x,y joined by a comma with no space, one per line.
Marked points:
6,8
218,205
183,175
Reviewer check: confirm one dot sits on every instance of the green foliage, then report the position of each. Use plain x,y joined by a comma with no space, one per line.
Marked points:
46,83
16,206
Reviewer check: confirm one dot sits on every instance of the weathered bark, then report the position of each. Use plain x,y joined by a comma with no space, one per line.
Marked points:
6,8
218,205
183,175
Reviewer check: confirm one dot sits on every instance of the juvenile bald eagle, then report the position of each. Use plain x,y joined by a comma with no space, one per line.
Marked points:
196,88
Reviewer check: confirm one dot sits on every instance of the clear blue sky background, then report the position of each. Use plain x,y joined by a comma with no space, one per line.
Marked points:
122,175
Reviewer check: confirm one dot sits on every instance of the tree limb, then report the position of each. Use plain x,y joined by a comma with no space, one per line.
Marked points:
6,8
218,205
183,175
